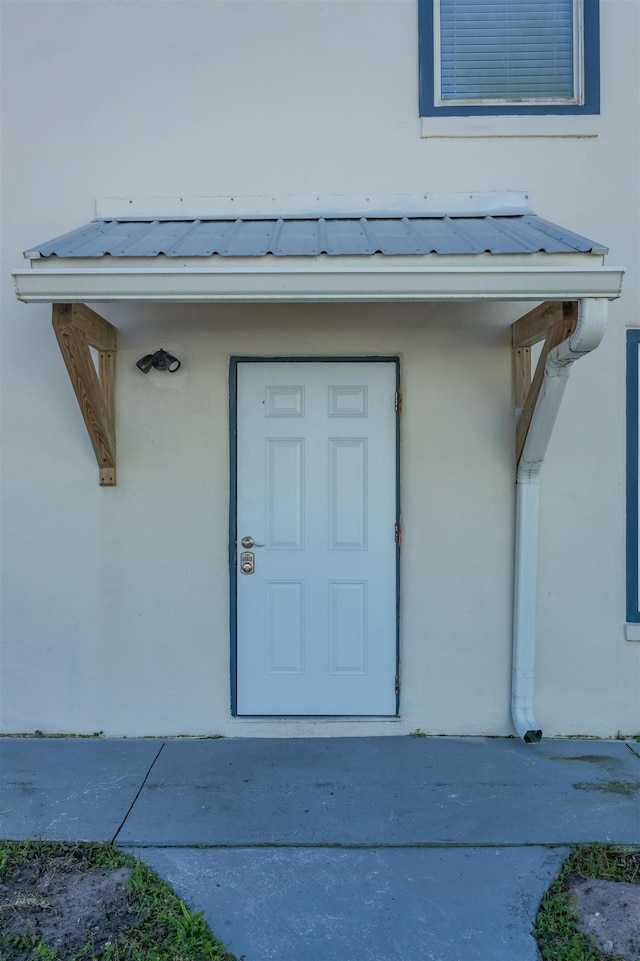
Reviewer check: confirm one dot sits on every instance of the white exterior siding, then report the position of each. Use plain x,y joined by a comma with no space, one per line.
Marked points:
116,601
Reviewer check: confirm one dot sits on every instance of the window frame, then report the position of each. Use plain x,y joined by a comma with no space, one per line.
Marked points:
586,72
633,477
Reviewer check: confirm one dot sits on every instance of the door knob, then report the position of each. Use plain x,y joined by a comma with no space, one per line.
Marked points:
248,543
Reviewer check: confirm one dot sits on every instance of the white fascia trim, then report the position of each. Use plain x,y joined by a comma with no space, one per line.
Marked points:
320,284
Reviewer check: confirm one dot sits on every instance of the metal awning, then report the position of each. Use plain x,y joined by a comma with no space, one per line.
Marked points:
310,237
324,258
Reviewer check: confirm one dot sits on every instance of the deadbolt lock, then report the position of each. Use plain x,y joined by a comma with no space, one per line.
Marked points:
247,562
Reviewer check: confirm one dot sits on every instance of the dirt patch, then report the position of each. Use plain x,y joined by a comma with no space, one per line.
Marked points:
65,908
609,913
91,901
592,908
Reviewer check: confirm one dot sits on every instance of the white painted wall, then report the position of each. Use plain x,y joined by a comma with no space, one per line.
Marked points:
115,601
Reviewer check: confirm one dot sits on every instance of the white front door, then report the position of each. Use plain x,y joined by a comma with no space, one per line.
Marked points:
316,491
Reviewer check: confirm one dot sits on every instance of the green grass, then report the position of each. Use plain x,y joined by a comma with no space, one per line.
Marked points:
50,735
555,928
163,928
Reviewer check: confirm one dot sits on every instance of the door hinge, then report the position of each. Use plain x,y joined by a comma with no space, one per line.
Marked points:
397,402
398,535
397,684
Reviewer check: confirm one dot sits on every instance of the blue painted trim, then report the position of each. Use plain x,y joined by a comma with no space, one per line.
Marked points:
633,353
233,492
398,521
306,359
591,105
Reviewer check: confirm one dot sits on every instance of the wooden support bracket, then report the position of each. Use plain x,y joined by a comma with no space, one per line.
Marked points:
77,328
533,327
553,323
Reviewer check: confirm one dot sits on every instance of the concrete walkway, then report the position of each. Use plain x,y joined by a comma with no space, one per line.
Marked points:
371,849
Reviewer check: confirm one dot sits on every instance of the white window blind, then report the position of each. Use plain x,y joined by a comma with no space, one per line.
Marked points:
505,50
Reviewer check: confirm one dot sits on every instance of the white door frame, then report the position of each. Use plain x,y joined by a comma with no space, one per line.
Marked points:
233,451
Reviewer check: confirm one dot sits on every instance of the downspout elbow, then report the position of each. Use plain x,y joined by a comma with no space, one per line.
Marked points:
526,725
592,323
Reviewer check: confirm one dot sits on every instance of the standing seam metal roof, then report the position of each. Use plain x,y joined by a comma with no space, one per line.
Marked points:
311,236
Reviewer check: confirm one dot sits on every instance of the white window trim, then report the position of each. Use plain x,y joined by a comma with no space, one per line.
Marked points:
562,125
578,71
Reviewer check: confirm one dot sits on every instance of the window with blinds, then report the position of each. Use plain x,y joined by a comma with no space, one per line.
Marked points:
509,56
505,50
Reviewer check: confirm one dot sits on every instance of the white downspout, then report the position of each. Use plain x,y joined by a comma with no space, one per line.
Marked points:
592,322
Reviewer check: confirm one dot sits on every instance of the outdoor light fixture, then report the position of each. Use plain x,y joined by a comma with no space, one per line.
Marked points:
161,360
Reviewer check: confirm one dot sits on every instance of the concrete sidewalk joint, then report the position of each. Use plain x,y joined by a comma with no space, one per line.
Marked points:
130,809
365,846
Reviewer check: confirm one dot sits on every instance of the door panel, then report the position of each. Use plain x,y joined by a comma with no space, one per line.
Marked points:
316,491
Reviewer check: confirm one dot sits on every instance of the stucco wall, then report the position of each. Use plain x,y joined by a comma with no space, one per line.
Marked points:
115,601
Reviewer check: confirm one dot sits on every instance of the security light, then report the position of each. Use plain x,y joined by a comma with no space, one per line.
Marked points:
145,363
161,360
